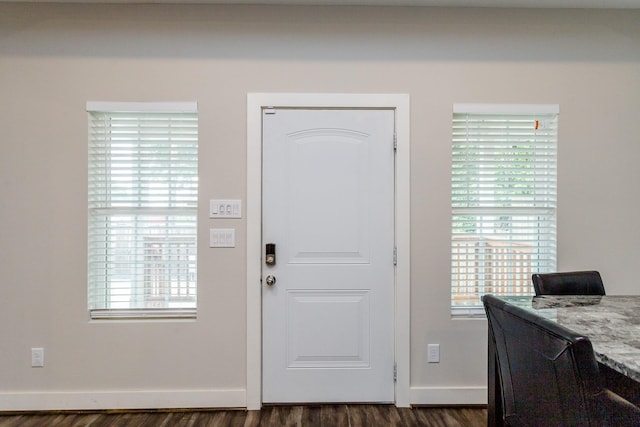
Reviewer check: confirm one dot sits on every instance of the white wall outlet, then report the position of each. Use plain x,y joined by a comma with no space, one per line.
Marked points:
37,357
433,353
219,208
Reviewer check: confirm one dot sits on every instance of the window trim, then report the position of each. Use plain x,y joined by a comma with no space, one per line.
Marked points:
143,313
506,109
477,312
141,107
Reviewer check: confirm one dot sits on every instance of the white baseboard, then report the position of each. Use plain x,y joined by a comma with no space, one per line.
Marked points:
174,399
448,395
145,399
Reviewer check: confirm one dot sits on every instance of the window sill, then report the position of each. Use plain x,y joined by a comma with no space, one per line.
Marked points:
142,314
468,313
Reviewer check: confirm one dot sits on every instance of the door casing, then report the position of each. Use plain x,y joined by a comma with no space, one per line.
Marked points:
256,102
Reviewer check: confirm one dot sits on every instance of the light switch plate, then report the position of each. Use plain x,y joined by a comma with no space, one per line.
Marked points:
227,208
222,238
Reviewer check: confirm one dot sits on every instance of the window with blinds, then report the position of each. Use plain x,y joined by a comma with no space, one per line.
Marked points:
503,200
143,199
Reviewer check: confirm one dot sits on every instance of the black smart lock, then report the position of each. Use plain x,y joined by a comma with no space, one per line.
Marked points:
270,254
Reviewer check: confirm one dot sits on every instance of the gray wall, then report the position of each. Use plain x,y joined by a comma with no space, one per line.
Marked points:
54,58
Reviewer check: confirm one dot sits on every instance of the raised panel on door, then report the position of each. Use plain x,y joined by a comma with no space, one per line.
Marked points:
343,341
329,218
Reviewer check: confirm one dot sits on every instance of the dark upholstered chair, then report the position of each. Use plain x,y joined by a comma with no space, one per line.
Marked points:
568,283
548,374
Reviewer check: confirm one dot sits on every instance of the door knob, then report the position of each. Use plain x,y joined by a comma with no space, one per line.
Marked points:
270,280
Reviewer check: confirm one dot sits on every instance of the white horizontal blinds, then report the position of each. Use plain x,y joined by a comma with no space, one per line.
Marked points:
503,202
143,196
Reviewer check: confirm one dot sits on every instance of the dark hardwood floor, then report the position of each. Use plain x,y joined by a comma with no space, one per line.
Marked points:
269,416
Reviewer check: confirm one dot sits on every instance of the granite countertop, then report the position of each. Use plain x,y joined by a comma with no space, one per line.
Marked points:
612,324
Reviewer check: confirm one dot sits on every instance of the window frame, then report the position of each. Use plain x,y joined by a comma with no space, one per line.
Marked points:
482,212
188,211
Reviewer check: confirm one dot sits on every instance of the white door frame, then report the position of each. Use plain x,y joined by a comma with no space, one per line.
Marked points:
256,102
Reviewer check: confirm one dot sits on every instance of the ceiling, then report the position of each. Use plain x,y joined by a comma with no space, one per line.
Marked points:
564,4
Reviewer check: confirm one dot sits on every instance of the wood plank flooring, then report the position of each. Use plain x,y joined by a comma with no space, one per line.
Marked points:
269,416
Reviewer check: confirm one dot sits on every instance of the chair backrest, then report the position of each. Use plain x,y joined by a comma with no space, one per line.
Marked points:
548,373
568,283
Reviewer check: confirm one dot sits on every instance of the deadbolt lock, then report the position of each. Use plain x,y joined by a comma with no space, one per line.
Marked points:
270,254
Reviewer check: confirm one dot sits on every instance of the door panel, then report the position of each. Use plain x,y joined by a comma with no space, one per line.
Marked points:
328,226
328,206
343,341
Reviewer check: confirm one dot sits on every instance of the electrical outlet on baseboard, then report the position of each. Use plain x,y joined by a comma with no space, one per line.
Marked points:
433,353
37,357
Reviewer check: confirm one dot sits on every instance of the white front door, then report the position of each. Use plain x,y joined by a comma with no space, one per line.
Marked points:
328,206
